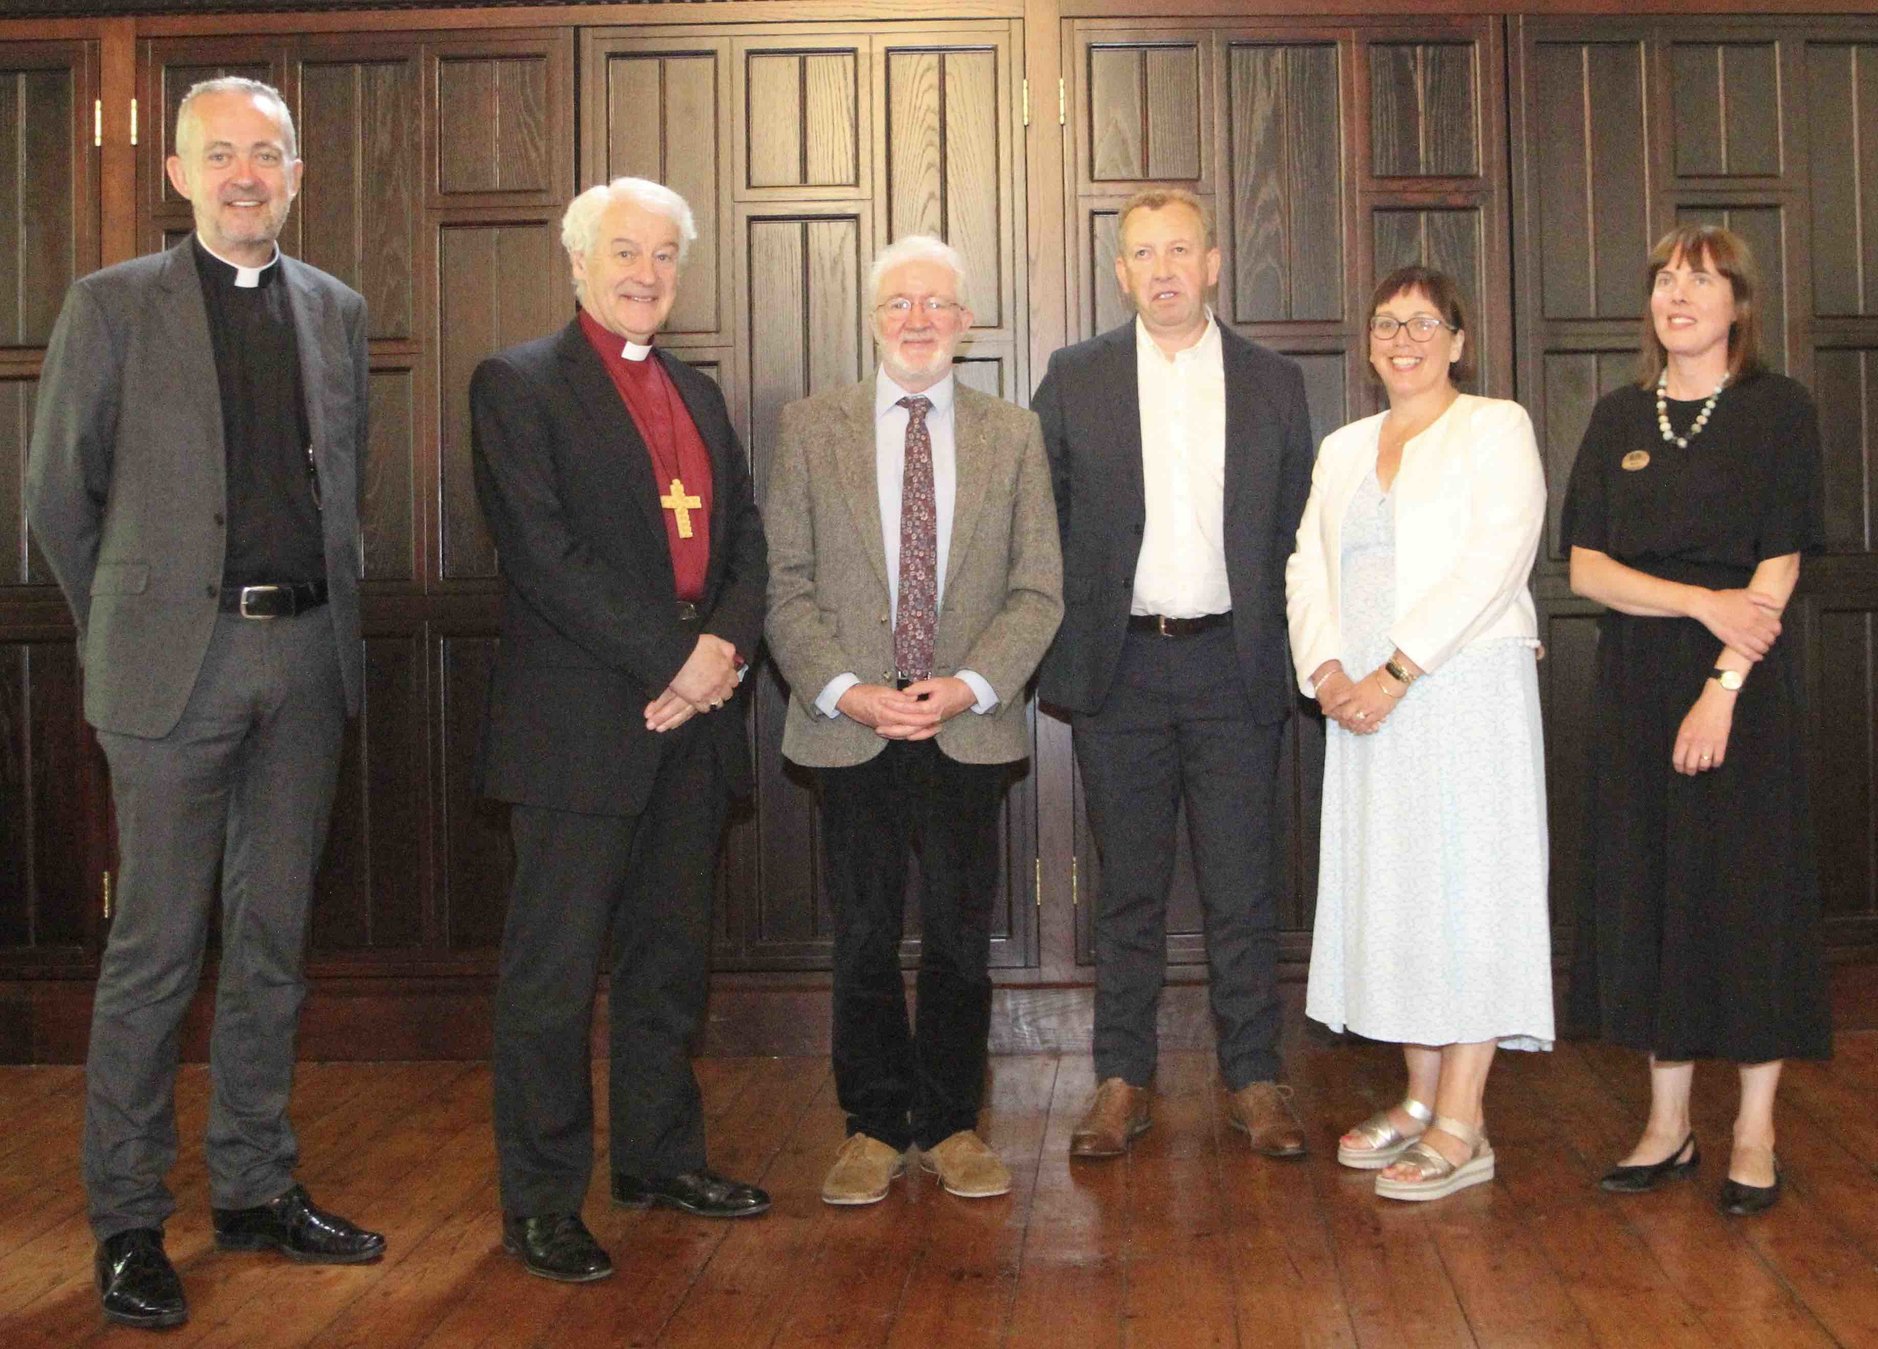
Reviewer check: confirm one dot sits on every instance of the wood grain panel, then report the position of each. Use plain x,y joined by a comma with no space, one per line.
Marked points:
773,117
988,375
37,240
830,111
1118,148
387,516
1563,182
1424,111
1617,176
359,137
1843,386
16,801
16,434
1725,99
63,894
662,124
1324,390
1765,233
1286,231
801,118
1844,765
1567,677
836,305
1572,383
1842,166
496,109
1175,144
943,162
1106,301
496,284
478,856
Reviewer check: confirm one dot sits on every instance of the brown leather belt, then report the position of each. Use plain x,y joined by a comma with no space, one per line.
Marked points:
273,601
1162,626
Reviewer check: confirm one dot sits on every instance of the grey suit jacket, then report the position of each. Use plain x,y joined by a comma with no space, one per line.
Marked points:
127,484
1089,404
829,607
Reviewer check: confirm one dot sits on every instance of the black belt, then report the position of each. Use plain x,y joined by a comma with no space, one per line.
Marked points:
273,601
1162,626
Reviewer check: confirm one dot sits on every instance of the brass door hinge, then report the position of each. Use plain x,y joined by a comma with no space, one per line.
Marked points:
107,896
1062,104
97,122
1026,102
133,121
1074,898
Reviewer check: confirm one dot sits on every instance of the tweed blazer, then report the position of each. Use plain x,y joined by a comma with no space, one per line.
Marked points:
830,611
127,485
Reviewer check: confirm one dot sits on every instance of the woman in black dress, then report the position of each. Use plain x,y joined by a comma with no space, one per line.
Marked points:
1693,497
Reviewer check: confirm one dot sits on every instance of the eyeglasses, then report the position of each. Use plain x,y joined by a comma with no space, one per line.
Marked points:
1421,328
899,307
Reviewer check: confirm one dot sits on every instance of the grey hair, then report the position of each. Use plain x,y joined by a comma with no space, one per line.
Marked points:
917,248
235,84
581,221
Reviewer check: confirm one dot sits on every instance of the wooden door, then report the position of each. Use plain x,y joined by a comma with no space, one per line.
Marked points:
804,149
1329,154
52,884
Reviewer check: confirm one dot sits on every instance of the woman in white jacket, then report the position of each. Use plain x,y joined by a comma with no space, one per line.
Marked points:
1412,626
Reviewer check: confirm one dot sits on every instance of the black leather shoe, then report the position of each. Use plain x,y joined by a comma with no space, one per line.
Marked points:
1744,1201
1637,1179
137,1285
300,1230
556,1246
702,1192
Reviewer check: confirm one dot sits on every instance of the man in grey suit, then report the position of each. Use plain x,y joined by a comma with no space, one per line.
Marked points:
194,484
1180,454
915,582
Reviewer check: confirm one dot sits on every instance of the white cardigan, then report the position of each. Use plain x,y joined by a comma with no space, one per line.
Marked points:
1469,503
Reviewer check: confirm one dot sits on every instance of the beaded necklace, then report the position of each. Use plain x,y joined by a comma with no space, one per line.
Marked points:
1701,418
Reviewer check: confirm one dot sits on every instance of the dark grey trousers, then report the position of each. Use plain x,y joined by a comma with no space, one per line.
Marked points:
244,784
1175,729
650,878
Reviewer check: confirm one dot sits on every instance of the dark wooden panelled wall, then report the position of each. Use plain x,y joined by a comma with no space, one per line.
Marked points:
1534,154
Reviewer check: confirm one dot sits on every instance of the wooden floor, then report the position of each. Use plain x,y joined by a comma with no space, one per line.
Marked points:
1191,1241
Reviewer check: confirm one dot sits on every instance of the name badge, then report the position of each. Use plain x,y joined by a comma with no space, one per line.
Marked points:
1637,459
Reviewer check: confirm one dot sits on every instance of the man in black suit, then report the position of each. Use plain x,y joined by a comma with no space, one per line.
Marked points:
633,577
1181,458
196,459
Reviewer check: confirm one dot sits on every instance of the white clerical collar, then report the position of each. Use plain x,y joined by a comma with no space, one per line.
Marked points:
245,277
887,394
632,351
1203,346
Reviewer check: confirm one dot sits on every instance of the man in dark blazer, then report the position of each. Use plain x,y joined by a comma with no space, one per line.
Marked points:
633,576
1181,459
194,483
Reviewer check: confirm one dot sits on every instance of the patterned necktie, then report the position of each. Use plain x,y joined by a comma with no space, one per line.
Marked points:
918,615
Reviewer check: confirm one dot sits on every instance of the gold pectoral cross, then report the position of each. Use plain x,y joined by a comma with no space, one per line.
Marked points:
682,506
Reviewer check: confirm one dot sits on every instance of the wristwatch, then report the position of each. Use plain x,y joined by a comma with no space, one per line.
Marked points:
1397,673
1732,680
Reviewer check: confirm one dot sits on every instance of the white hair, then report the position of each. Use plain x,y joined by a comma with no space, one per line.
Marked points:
917,248
581,221
233,84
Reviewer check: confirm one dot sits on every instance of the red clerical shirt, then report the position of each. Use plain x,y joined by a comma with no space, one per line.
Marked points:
674,446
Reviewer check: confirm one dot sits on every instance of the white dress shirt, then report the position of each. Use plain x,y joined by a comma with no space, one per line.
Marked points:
890,423
1181,570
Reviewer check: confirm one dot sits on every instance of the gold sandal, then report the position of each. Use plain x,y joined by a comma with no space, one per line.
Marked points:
1436,1176
1386,1142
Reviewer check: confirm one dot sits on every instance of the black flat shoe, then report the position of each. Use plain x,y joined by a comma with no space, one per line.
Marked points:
702,1192
296,1227
1638,1179
137,1284
1744,1201
556,1246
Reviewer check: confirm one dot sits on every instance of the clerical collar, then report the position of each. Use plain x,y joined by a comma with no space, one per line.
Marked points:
609,343
247,278
887,395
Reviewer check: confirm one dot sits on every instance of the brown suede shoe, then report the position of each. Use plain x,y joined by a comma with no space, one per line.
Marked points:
864,1169
1262,1111
1117,1116
966,1167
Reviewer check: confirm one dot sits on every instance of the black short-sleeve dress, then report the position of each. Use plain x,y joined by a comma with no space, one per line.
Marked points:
1699,936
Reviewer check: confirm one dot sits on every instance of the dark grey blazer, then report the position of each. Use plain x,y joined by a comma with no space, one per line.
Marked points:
1088,404
127,484
590,630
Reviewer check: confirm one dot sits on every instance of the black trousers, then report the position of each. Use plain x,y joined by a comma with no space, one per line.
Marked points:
899,1084
242,785
650,878
1175,729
